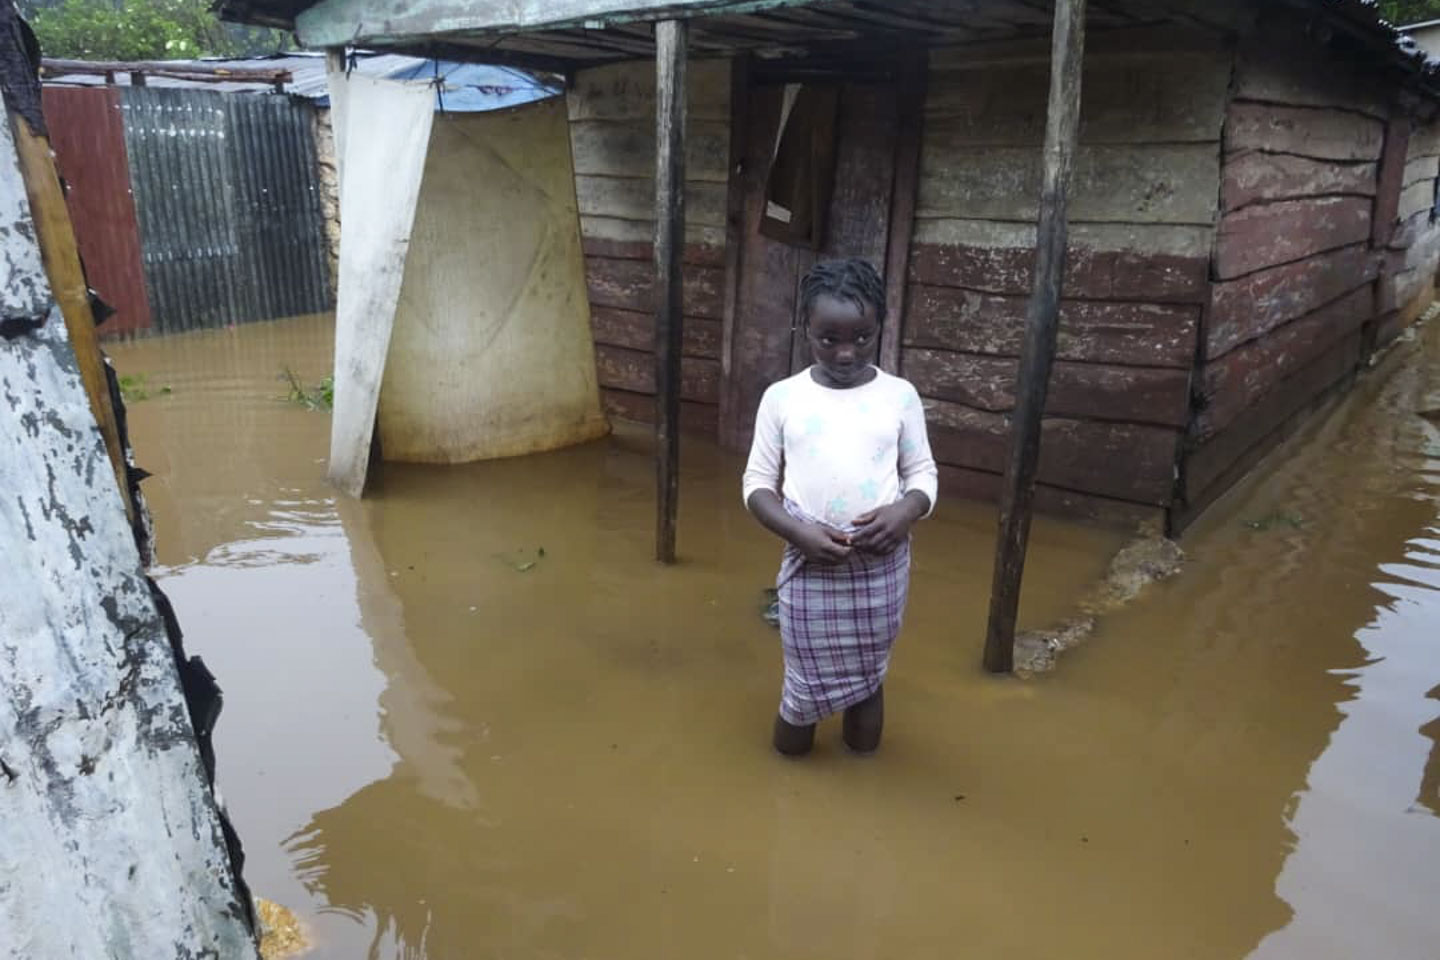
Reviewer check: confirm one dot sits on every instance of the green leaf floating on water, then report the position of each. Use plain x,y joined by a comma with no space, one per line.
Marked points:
522,561
1277,519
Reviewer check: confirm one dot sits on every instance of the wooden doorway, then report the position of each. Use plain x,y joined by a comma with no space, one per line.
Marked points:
766,345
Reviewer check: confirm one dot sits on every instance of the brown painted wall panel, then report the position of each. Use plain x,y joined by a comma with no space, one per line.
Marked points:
1281,64
696,254
1083,390
634,370
1304,131
1124,183
1141,334
703,418
1219,462
1274,233
1089,274
971,484
1244,309
87,131
636,331
1258,177
1239,379
630,285
1120,460
1163,98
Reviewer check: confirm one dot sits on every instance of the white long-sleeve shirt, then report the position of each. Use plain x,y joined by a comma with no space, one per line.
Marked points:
841,453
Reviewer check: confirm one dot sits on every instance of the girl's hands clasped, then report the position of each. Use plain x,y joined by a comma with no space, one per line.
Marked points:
883,529
822,544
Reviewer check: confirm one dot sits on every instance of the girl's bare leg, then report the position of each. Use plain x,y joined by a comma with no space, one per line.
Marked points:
864,723
793,740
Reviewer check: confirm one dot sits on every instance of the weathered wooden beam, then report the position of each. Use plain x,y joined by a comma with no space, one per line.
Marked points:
61,255
1391,181
902,205
1038,354
196,72
332,22
670,64
734,227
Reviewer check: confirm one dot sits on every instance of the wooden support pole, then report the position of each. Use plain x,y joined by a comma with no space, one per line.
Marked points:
61,256
671,38
1041,322
734,242
914,76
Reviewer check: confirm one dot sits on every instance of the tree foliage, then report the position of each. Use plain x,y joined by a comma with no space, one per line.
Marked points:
143,30
1402,12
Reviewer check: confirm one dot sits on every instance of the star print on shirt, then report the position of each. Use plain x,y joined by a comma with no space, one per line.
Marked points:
835,509
870,490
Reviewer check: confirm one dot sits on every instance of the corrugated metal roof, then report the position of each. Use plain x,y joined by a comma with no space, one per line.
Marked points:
460,87
1385,41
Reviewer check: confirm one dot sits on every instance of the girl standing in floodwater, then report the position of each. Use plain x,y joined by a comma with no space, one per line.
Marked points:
841,470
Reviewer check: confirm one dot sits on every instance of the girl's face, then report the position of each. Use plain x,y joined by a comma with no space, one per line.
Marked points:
843,339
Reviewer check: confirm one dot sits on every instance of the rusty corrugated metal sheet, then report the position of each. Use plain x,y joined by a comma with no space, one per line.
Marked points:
87,131
227,198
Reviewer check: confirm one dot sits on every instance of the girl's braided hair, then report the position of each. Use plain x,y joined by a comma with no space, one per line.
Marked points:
850,279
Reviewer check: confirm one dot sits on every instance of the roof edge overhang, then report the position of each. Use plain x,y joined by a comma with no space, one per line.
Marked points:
459,29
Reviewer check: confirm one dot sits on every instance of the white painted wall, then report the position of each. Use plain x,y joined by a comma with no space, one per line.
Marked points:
110,842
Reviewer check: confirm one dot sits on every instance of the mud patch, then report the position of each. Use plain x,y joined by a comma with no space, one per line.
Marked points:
1144,561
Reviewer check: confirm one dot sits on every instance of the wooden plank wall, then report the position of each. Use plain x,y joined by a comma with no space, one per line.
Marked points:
1412,250
612,135
1143,212
1295,258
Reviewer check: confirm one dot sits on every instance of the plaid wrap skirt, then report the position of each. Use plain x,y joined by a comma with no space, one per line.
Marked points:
837,625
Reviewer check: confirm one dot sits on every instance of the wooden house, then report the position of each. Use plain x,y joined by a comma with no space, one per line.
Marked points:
1252,211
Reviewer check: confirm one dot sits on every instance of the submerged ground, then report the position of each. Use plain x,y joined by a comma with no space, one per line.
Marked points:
440,742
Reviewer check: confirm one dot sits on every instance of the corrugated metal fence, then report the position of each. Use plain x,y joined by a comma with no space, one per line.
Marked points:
228,203
87,131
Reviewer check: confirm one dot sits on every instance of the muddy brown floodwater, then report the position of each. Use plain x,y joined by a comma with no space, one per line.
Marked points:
440,743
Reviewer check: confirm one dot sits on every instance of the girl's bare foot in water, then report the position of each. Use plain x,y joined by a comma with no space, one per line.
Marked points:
864,723
792,740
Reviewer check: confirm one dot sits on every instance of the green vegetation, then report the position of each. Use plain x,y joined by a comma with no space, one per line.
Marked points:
1277,519
135,387
1402,12
319,397
142,30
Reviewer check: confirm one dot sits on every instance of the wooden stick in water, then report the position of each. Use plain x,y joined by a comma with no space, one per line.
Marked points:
1041,325
671,40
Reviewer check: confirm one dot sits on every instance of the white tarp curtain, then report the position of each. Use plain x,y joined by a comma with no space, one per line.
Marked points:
380,171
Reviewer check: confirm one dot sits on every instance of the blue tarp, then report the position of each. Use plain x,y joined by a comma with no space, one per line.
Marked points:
460,87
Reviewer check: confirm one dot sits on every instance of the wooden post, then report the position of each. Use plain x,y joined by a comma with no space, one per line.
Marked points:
913,79
60,254
671,37
1038,353
734,240
1391,180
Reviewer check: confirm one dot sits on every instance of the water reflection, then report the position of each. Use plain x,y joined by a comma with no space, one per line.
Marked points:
1382,765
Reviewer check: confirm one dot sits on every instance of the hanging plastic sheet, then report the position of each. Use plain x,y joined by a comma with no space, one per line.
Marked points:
382,160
